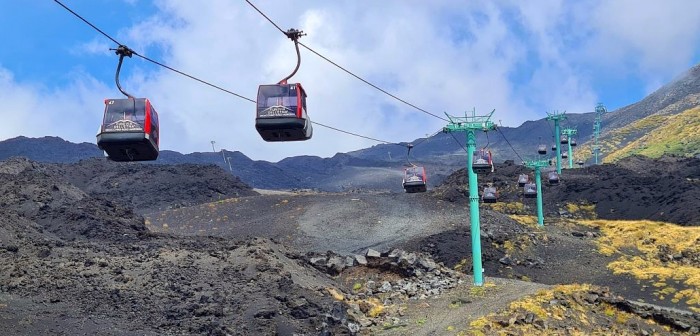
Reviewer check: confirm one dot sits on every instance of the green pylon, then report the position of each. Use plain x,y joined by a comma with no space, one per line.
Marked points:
556,117
569,132
469,125
536,165
599,111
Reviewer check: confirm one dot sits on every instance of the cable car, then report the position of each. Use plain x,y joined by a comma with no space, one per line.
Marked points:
553,177
482,162
564,139
554,147
414,179
522,179
542,149
490,195
281,108
573,142
530,190
564,154
129,130
281,113
579,162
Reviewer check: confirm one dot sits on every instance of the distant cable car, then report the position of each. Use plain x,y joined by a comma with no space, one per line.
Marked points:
542,149
490,195
482,162
564,139
522,179
415,179
564,154
553,177
281,108
579,162
129,130
573,142
530,190
554,147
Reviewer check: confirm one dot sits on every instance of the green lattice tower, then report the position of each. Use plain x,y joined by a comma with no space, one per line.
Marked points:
600,110
536,165
557,117
469,125
569,132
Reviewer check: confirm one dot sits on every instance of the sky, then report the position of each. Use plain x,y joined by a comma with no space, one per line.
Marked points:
521,58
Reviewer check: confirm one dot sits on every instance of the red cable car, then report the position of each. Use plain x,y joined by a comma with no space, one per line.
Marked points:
482,163
129,130
415,180
281,113
530,190
553,177
490,195
522,179
281,108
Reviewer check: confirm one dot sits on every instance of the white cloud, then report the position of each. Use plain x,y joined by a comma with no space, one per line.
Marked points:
521,58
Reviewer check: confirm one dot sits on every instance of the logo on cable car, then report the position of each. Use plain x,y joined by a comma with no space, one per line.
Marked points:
277,111
123,125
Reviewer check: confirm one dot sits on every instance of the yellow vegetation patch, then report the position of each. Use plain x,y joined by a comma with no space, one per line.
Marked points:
335,294
540,306
641,246
528,220
672,134
508,207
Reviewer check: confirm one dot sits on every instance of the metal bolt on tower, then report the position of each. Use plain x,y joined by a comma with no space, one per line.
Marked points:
599,111
536,165
469,125
556,117
569,132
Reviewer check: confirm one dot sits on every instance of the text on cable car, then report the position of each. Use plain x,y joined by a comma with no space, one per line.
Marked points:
123,125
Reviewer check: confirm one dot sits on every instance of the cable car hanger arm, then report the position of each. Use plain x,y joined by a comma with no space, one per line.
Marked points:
122,51
294,35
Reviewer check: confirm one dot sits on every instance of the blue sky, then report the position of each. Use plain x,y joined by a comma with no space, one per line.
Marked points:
520,57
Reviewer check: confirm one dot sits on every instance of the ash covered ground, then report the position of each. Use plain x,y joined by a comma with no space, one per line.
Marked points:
101,248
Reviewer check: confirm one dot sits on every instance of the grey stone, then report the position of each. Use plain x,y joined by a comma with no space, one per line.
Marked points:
386,287
373,253
336,264
427,264
349,261
361,260
317,261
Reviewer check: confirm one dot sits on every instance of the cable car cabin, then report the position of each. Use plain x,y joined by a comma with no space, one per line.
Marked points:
579,162
564,155
553,177
542,149
554,147
281,113
482,162
522,179
490,195
414,180
530,190
564,139
129,130
573,142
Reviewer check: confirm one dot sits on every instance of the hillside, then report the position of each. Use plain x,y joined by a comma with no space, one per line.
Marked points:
658,135
74,244
664,122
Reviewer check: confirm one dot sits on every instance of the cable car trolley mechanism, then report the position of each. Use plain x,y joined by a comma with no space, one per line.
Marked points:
129,130
281,108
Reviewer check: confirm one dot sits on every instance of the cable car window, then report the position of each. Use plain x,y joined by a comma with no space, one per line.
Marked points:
124,115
